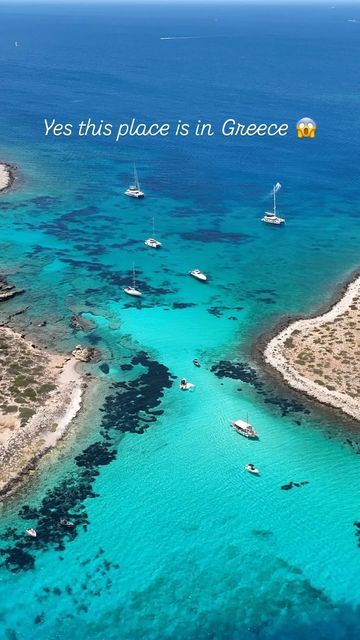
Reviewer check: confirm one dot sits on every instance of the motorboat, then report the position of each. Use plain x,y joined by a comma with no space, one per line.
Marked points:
199,275
134,191
31,532
196,362
271,217
152,242
185,385
244,429
252,469
132,290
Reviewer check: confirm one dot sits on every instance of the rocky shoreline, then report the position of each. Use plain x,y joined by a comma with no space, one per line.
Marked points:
7,176
41,433
41,392
279,362
36,427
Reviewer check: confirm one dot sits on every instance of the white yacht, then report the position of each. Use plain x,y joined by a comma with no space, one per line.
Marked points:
134,190
271,217
133,291
151,242
244,429
31,532
199,275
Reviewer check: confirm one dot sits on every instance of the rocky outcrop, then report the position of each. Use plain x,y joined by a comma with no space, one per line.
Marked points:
8,290
86,354
79,323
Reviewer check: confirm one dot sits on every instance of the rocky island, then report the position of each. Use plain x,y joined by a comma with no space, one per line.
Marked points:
319,356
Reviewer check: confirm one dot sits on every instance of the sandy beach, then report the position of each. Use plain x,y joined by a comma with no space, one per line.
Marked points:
38,404
7,176
318,356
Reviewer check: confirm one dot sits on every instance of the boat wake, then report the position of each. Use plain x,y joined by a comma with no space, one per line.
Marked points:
183,37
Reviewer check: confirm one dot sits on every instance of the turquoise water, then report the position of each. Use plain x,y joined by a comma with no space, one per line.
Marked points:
173,539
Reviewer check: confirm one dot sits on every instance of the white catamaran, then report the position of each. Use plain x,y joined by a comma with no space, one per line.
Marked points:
271,217
134,190
133,291
151,242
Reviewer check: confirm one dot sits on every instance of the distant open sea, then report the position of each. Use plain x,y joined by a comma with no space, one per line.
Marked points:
173,540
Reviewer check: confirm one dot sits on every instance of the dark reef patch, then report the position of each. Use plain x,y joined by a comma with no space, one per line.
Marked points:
214,235
247,374
290,485
357,532
218,312
131,406
183,305
126,367
267,300
44,202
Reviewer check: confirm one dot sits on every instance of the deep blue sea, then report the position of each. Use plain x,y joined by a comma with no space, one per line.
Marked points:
173,540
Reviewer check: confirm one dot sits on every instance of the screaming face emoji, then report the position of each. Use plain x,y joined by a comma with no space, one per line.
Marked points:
306,128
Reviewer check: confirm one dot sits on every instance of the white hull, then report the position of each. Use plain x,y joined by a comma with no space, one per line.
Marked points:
198,275
273,220
134,193
244,429
132,292
154,244
189,386
252,470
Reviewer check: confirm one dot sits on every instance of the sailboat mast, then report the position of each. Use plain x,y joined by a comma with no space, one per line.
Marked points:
136,178
275,199
153,227
134,275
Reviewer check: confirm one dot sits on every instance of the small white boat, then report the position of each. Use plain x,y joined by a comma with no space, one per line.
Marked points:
244,429
31,532
133,291
252,469
186,386
151,242
199,275
134,190
271,217
154,244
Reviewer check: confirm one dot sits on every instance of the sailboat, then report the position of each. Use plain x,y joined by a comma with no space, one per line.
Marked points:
133,291
134,190
271,217
151,242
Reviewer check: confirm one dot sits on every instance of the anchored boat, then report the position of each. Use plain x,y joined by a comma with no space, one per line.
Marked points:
134,191
271,217
133,291
244,429
151,242
198,275
252,469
